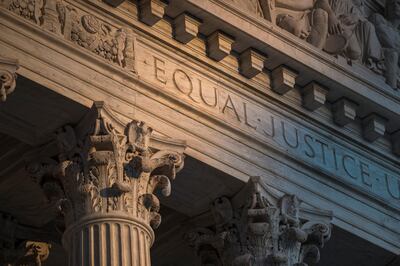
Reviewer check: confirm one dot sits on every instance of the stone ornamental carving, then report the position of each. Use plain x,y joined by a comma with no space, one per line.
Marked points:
258,228
8,77
339,27
357,40
116,45
387,28
29,253
15,249
35,254
104,182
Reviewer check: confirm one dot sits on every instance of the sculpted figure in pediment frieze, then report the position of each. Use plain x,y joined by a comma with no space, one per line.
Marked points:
311,20
250,6
387,29
357,40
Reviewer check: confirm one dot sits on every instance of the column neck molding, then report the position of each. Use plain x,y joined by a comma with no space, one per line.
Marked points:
259,227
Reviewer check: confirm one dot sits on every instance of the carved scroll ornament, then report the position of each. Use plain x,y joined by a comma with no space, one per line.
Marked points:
263,231
103,168
8,77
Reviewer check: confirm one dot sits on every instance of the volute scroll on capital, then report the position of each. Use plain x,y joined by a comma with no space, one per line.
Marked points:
8,76
105,167
258,227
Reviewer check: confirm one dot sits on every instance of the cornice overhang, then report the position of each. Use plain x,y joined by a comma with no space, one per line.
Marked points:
285,52
285,48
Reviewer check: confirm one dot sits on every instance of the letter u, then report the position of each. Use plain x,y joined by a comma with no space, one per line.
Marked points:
294,146
392,186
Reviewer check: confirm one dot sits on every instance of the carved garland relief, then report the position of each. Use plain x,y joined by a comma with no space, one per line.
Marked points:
113,44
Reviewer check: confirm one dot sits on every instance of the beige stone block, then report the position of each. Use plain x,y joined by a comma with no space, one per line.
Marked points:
314,96
344,111
251,63
186,27
374,126
151,11
283,79
219,45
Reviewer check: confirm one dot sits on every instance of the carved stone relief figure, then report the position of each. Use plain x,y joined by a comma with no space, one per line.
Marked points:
357,40
250,6
387,29
307,19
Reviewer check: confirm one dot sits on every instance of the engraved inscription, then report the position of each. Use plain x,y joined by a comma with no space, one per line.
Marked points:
303,144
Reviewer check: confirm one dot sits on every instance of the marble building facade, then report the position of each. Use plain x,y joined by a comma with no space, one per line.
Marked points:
200,132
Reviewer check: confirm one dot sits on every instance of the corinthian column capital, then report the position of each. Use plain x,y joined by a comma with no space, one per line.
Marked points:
258,227
104,179
8,77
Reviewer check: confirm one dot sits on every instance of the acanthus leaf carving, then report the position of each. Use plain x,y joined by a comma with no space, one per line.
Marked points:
104,168
262,230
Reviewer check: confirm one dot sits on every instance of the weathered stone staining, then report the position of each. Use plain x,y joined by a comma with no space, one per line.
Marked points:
251,63
8,76
107,174
151,11
186,27
283,79
219,45
259,227
344,111
374,126
314,96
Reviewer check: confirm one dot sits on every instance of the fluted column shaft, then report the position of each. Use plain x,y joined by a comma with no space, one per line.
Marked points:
109,241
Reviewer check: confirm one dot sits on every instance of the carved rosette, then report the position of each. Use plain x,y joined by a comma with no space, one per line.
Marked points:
262,230
8,77
108,176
